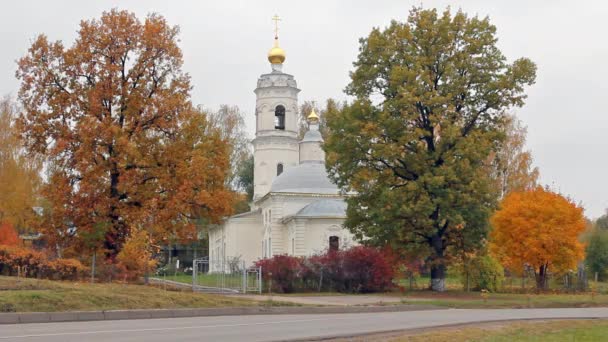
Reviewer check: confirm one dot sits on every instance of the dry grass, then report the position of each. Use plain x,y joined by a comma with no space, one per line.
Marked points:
31,295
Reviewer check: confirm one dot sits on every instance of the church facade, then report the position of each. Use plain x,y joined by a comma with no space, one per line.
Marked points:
296,209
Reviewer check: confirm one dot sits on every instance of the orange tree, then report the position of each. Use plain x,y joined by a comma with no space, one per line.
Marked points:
538,228
126,147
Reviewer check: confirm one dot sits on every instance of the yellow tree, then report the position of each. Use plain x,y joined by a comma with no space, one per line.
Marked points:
19,173
127,150
538,228
511,165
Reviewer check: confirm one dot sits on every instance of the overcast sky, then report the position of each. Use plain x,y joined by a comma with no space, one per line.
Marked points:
225,45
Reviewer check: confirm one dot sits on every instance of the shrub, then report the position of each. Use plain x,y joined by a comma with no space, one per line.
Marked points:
366,270
282,270
135,258
66,269
358,269
31,263
485,273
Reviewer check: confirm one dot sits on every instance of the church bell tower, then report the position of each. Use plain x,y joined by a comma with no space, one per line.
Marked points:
276,139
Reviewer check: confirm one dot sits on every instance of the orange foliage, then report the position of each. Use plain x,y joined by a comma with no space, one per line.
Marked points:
130,150
66,269
539,228
30,263
8,235
135,258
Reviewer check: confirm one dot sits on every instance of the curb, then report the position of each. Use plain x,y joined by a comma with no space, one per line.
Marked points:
84,316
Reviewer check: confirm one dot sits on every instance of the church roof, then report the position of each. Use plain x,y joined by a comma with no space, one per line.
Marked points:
324,208
312,135
310,178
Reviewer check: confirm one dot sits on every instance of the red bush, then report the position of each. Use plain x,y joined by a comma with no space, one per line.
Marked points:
367,270
359,269
282,270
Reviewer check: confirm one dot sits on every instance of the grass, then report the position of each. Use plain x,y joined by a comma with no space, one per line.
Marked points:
31,295
555,331
469,300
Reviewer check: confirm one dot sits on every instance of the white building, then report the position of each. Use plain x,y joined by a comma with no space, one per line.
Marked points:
296,209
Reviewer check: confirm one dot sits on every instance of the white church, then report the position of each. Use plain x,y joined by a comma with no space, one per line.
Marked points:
296,209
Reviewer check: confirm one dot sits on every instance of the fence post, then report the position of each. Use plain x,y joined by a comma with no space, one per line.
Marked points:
194,273
260,279
244,278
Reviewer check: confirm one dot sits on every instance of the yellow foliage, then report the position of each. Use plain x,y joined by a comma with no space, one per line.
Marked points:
135,258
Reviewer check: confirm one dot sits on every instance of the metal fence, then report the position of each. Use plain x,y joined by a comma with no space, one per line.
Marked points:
225,276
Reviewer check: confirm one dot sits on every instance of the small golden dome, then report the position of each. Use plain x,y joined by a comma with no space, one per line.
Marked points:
313,116
276,55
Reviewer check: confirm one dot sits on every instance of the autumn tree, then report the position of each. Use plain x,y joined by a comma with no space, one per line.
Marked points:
126,148
231,123
429,100
19,173
539,228
511,164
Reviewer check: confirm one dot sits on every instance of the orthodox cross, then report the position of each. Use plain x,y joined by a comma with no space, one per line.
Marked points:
276,20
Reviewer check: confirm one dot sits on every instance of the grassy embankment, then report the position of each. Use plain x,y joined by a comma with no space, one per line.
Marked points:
455,297
511,296
30,295
554,331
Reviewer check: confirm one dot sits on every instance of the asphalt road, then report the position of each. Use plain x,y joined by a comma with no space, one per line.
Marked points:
273,327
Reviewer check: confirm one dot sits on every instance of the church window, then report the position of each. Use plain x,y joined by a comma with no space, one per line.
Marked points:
279,117
334,243
269,247
279,168
293,246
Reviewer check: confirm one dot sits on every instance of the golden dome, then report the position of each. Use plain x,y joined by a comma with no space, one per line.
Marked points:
276,55
313,116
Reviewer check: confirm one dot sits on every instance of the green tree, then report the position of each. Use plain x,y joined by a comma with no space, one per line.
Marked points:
597,253
244,177
602,221
430,96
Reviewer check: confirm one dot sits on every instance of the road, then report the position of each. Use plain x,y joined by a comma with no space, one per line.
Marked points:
273,327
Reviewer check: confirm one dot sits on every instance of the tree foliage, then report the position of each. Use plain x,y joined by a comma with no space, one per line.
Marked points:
8,235
126,148
19,173
511,165
430,97
602,222
538,228
596,253
244,176
231,123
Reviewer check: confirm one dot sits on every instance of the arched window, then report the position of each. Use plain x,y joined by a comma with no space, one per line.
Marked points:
279,168
334,243
279,117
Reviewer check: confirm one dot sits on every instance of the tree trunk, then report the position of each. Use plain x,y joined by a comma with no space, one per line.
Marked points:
93,262
541,278
437,264
438,277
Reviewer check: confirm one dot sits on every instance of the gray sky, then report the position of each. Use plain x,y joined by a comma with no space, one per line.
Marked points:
225,45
